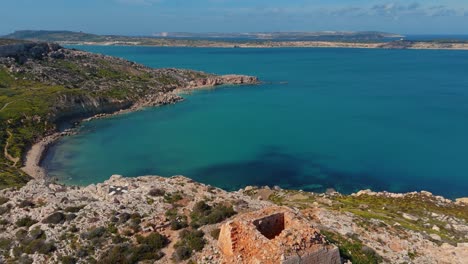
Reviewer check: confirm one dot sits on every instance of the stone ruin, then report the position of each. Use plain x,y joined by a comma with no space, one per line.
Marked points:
274,235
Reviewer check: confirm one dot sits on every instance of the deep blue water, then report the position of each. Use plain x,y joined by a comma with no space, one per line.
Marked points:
347,119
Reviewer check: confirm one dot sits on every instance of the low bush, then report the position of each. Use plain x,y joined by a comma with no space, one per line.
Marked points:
68,260
74,209
26,203
25,222
352,249
204,214
3,200
156,192
172,197
190,240
179,222
155,241
55,218
148,248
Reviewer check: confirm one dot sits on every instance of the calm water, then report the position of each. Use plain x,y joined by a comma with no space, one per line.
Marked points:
347,119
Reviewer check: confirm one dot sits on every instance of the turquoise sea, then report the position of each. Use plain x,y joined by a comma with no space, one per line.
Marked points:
347,119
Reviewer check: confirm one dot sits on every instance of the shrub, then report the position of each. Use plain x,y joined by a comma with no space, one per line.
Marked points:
124,217
3,200
203,214
156,192
172,197
37,233
129,254
26,203
179,222
74,209
39,246
68,260
352,249
25,222
97,232
190,240
54,218
5,244
4,209
155,241
182,253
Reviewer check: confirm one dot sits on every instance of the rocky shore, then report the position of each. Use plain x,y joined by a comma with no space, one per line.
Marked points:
163,220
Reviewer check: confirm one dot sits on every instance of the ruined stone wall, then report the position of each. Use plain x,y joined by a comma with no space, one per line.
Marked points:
270,226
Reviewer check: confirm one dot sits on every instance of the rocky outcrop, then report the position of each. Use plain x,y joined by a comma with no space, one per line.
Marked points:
45,222
21,52
223,80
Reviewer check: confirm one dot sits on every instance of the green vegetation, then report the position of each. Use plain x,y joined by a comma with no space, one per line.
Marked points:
74,209
156,192
25,222
3,200
55,218
172,197
204,214
189,241
147,248
353,249
34,242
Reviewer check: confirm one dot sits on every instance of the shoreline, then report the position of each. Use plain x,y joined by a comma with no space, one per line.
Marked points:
416,45
37,152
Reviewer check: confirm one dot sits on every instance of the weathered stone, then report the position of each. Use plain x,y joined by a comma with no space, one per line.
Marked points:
274,235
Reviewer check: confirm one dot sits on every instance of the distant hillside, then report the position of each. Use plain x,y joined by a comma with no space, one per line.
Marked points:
54,36
70,36
291,36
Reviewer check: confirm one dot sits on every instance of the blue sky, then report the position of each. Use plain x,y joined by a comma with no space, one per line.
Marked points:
144,17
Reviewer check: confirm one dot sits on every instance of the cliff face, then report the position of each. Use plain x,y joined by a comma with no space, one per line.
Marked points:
43,84
126,220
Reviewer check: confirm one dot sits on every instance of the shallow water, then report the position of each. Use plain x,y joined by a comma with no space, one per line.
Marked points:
347,119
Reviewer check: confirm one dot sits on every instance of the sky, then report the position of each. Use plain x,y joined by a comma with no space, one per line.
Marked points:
146,17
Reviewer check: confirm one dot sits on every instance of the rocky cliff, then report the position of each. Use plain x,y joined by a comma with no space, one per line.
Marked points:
165,220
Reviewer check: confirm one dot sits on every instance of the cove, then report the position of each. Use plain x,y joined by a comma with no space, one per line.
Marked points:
347,119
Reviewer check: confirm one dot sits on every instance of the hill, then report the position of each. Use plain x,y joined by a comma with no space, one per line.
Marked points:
53,36
70,36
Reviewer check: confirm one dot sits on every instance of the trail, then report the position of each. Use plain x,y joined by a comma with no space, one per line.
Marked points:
5,106
5,151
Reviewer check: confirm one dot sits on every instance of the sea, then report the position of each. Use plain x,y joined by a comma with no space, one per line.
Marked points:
347,119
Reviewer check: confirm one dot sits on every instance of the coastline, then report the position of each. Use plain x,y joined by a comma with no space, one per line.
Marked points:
416,45
37,152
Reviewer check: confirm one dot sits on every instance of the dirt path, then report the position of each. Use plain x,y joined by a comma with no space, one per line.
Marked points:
5,106
5,150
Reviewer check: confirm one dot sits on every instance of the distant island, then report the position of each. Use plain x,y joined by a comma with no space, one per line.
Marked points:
328,39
